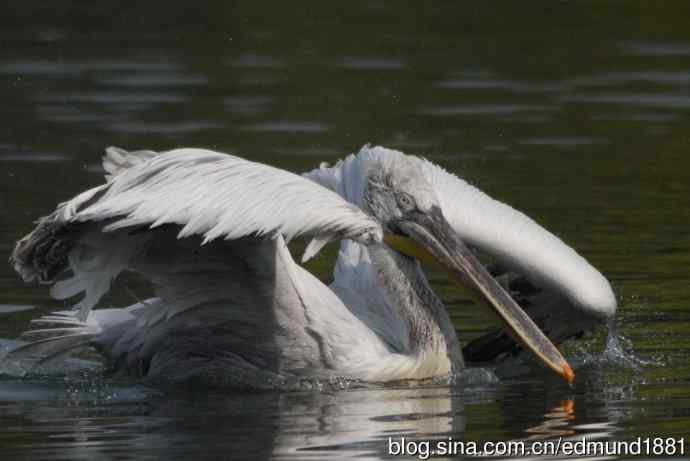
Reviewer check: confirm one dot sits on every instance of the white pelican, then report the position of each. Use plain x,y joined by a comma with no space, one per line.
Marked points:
209,231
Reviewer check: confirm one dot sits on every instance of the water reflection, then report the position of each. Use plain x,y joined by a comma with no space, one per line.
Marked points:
83,422
360,423
77,413
557,422
87,416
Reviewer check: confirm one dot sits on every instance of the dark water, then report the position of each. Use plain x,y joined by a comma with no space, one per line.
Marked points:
577,113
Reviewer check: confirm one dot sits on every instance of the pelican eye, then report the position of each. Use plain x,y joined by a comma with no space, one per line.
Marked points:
405,201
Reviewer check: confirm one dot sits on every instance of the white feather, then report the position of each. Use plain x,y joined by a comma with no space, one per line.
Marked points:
218,195
117,160
517,240
488,224
206,193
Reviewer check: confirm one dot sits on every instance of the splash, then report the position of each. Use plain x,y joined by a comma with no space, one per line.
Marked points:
28,367
618,352
10,368
476,376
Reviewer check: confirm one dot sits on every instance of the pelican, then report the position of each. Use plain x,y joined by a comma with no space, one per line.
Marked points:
210,231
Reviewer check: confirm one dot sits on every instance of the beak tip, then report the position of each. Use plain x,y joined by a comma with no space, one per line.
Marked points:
568,374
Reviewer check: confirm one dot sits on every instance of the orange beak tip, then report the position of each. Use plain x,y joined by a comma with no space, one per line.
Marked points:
568,374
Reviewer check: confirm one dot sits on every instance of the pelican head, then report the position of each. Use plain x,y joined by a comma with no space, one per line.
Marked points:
397,191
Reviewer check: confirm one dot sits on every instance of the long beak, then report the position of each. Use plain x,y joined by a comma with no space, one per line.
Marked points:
436,240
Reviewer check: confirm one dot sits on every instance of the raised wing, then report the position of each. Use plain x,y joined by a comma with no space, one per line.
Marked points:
209,231
198,192
219,195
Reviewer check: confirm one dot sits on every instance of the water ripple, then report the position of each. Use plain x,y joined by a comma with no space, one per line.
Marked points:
498,84
11,308
370,64
154,79
67,68
288,127
656,49
482,109
660,100
110,97
255,61
621,78
247,104
32,157
163,128
565,142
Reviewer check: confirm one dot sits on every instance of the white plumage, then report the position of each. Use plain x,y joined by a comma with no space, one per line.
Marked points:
491,226
209,231
218,195
516,240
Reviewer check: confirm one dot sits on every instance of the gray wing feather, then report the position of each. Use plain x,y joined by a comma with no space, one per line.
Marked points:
200,192
208,230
